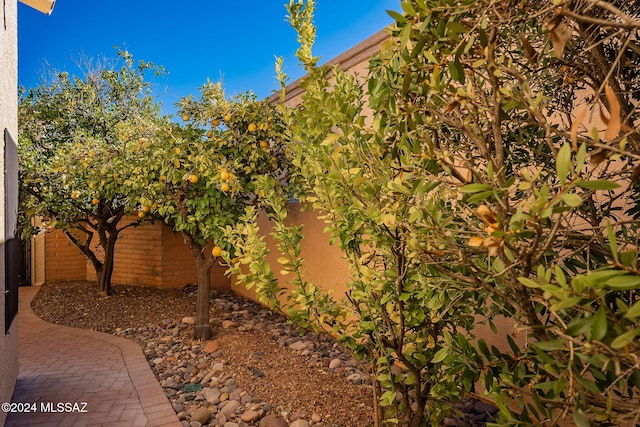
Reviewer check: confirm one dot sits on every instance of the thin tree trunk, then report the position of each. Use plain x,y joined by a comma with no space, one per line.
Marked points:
203,263
106,227
203,328
106,272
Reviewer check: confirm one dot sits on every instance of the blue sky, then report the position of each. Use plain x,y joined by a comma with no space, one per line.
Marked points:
232,41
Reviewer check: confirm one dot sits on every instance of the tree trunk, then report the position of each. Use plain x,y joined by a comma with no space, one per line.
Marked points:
203,328
106,227
106,271
203,263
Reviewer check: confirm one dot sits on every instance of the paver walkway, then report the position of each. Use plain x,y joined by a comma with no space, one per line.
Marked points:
63,368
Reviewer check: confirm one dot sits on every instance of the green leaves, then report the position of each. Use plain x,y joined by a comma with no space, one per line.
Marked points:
456,71
597,184
599,325
77,158
563,163
465,96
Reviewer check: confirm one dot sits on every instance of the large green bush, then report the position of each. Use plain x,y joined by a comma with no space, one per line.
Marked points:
496,177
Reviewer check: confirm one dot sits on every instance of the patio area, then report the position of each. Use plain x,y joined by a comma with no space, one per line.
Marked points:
74,377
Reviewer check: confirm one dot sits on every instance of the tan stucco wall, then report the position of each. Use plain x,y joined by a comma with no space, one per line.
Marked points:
8,120
323,263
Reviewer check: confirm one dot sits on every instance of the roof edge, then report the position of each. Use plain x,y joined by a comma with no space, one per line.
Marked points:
355,55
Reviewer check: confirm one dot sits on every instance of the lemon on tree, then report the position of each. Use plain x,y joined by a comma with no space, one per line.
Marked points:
194,197
216,251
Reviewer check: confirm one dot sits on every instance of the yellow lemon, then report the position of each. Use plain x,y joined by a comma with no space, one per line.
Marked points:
193,178
252,127
224,187
224,175
216,251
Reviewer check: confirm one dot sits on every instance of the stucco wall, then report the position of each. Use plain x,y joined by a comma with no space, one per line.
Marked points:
8,120
324,265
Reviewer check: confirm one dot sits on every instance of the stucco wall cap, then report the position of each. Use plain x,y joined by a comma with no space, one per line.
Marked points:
346,60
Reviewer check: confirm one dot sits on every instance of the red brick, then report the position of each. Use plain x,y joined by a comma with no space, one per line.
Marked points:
149,255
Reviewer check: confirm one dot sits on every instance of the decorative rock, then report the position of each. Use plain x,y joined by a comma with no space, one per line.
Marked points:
228,324
222,418
250,416
188,320
298,345
299,423
201,415
273,421
229,409
171,383
235,395
230,424
316,418
297,415
212,347
212,395
335,363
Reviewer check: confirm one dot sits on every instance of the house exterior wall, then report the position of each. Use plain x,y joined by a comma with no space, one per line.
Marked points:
9,121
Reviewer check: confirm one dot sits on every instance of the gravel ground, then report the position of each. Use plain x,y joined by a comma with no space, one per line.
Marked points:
257,366
257,370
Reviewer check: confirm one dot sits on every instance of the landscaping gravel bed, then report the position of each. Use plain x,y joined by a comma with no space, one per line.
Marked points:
257,370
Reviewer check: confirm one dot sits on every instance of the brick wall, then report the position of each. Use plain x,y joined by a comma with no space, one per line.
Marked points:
138,255
148,255
63,261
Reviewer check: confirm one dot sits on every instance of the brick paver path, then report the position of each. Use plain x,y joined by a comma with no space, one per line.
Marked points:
67,367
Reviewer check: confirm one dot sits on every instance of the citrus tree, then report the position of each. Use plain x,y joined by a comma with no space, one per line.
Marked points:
526,112
78,137
398,316
199,178
498,177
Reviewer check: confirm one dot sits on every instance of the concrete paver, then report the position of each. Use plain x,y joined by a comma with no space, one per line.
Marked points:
75,377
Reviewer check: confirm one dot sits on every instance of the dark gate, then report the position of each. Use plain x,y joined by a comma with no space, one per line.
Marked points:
12,247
